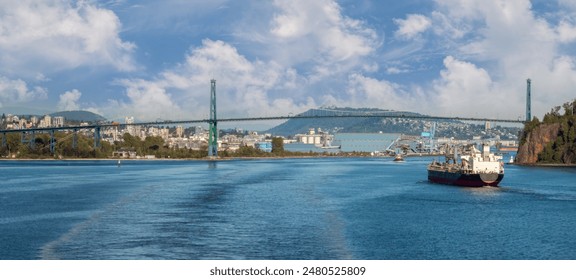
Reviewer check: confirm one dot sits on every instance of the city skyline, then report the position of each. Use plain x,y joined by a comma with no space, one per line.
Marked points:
154,60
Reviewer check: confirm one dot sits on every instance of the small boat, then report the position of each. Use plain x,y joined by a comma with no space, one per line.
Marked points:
475,169
398,157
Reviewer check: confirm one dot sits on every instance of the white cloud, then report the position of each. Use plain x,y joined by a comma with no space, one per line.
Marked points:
45,36
566,31
570,4
147,100
412,26
395,70
317,33
171,16
507,25
504,43
17,91
244,88
69,100
369,92
451,28
464,89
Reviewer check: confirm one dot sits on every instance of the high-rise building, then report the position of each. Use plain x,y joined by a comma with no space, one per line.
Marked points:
132,130
58,121
46,121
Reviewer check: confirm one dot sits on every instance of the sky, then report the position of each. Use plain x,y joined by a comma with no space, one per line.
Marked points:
154,60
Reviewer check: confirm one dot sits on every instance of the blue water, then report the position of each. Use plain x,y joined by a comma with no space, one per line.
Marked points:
329,208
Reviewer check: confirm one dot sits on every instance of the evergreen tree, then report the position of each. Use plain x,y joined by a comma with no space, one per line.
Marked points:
277,145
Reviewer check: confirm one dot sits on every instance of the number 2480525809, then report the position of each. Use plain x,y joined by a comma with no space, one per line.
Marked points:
336,270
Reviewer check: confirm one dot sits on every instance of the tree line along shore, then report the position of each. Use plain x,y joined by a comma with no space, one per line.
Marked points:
151,147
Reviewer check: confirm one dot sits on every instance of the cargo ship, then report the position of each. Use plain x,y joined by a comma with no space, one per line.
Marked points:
475,168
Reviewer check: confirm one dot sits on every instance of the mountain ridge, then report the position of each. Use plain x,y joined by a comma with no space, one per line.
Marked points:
79,116
448,128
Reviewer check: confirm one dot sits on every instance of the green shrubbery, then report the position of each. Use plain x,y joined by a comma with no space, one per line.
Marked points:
152,145
563,148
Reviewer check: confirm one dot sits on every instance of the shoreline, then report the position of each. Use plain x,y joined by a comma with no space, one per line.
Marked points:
545,164
174,159
200,159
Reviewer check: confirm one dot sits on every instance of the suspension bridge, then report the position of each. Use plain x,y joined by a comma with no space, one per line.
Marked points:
28,135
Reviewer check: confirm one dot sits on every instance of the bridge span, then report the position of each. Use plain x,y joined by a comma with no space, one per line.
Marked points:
28,134
371,115
243,119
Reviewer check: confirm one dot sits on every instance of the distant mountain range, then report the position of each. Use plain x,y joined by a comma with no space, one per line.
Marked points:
356,124
456,129
79,116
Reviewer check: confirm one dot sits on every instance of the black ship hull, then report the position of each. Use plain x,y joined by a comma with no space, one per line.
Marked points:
465,179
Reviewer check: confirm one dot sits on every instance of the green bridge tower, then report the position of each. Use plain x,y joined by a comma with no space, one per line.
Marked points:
213,129
528,101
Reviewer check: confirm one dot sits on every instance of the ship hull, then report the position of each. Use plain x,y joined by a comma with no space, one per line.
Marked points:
463,179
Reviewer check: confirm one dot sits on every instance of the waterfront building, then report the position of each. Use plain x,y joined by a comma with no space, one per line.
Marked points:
22,123
165,133
310,138
124,153
58,121
46,121
153,131
264,146
131,129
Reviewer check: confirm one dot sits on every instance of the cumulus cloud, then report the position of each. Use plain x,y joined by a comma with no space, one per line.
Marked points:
244,87
504,43
412,26
17,91
566,31
69,100
369,92
464,89
44,36
317,31
149,100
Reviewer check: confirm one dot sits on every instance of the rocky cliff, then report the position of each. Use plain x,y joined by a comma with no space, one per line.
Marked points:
536,141
552,141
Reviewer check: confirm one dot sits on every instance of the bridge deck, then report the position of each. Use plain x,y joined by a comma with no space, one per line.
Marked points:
160,123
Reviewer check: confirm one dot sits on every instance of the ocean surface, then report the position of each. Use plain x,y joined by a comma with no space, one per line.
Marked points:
322,208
